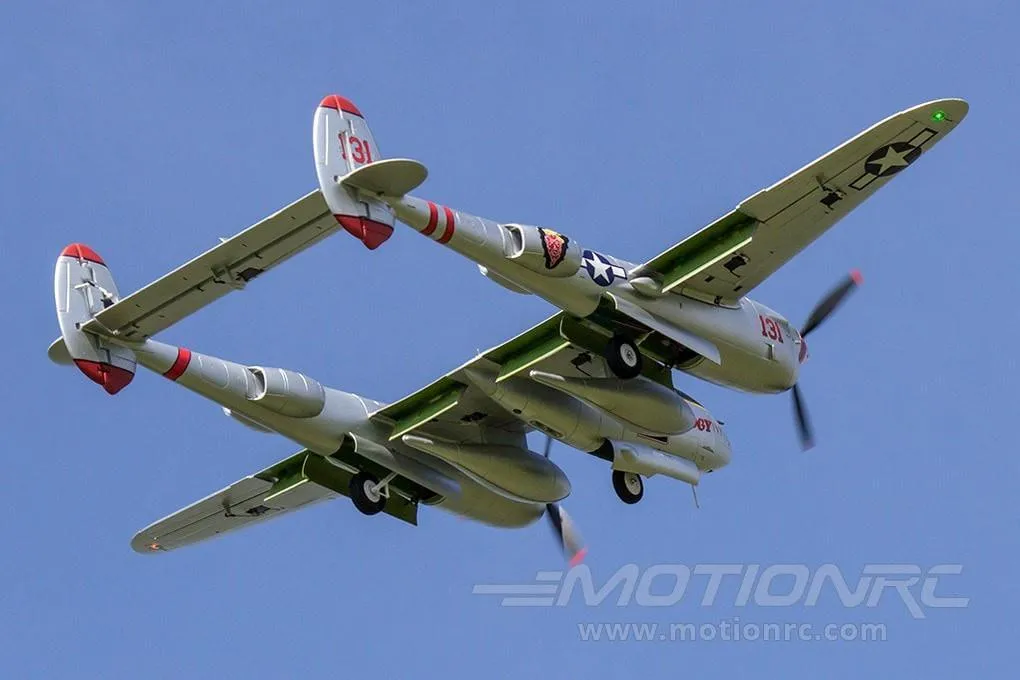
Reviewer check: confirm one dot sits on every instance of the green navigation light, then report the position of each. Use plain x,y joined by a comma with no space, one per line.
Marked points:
938,116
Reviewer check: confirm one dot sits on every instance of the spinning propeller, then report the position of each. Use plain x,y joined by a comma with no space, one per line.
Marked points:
566,532
822,311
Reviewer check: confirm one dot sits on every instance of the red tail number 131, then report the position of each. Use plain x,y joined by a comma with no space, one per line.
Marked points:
360,151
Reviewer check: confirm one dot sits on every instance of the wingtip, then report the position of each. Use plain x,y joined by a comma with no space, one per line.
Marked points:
950,110
857,277
961,105
145,545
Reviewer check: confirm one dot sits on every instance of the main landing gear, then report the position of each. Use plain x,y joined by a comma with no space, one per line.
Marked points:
628,486
623,357
368,493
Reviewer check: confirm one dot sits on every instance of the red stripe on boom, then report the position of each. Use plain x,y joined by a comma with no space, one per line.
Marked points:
180,365
433,219
450,226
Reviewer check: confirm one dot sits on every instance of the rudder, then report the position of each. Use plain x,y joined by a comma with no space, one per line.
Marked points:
83,285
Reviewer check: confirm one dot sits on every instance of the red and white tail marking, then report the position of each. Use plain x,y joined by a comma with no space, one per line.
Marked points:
354,142
343,143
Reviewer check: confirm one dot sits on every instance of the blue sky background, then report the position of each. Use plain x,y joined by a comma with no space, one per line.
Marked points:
149,130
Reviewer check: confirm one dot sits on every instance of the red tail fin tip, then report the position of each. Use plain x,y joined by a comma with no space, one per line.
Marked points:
373,234
82,252
335,101
112,378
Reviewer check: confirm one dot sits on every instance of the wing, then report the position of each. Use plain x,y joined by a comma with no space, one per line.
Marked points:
728,258
210,276
454,408
302,480
451,408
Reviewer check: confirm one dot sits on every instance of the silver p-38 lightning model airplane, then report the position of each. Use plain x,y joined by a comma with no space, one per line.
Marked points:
596,376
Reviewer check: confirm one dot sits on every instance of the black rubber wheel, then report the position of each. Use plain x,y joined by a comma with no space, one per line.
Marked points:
362,496
628,486
623,357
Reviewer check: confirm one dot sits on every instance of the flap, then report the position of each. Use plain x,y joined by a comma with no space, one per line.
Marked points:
296,482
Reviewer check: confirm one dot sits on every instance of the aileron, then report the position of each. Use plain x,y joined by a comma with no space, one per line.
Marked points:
733,255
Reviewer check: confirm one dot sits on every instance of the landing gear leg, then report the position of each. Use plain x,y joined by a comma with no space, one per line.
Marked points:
623,357
369,494
628,486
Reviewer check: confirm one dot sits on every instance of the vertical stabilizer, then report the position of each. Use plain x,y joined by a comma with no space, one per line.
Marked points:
343,143
83,286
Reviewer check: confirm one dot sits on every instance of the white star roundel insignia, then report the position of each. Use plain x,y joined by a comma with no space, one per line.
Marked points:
600,269
891,158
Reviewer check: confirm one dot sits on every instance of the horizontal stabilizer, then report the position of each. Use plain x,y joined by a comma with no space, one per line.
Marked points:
390,177
58,353
227,267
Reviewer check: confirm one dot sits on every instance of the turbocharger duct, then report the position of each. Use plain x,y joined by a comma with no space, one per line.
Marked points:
288,393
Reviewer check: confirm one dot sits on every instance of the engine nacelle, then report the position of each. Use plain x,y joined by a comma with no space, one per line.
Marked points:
287,392
541,250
